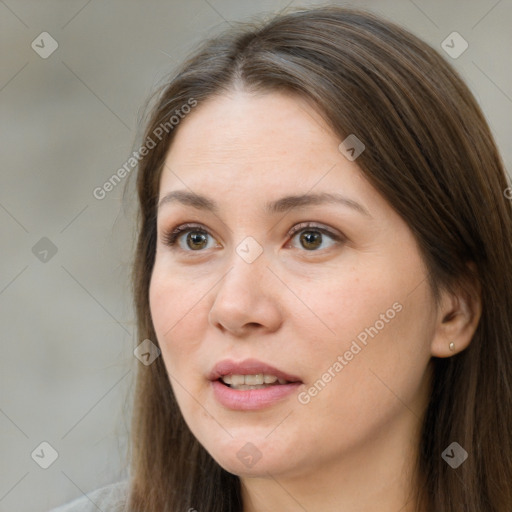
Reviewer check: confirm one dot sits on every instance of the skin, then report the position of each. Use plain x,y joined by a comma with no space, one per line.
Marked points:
297,307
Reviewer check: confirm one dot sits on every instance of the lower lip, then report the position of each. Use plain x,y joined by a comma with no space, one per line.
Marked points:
251,399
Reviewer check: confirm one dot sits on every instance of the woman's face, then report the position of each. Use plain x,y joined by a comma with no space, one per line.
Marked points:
340,309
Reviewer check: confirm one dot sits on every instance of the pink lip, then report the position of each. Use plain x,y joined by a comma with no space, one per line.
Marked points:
250,399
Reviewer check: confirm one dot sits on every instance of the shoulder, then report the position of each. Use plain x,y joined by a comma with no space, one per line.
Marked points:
110,498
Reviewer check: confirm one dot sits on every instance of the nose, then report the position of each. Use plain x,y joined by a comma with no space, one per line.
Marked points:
248,298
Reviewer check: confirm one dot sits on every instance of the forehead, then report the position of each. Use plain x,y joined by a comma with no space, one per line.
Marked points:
243,148
243,136
243,127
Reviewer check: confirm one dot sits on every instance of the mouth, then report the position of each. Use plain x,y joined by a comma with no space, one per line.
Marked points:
250,384
254,381
250,372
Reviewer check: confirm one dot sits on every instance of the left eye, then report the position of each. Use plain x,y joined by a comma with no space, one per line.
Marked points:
311,236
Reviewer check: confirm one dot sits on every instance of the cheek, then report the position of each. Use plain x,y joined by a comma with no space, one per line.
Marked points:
372,386
351,302
178,334
383,326
384,358
173,312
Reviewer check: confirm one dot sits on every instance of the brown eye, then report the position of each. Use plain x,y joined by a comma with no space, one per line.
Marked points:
311,239
196,239
312,236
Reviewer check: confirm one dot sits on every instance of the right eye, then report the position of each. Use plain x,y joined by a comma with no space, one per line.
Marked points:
194,241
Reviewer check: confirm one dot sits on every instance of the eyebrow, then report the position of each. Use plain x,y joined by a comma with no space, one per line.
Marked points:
272,207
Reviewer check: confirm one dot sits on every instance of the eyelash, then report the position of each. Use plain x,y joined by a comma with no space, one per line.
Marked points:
170,238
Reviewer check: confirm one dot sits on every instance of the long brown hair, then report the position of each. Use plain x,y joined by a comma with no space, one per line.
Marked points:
430,153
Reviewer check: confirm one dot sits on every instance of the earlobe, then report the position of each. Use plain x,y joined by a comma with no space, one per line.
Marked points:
457,320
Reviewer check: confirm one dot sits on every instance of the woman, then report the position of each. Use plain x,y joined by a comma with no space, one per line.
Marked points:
322,261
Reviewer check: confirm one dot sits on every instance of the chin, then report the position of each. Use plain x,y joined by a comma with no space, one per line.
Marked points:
251,456
249,468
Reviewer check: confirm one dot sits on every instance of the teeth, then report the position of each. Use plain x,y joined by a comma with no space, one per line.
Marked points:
237,380
254,380
227,379
258,380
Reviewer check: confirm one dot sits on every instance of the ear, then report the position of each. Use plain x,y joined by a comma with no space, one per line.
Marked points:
457,319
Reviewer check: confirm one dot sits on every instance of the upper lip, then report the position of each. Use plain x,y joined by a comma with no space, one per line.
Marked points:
248,367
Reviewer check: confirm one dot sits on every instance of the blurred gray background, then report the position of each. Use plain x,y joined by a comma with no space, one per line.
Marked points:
68,120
